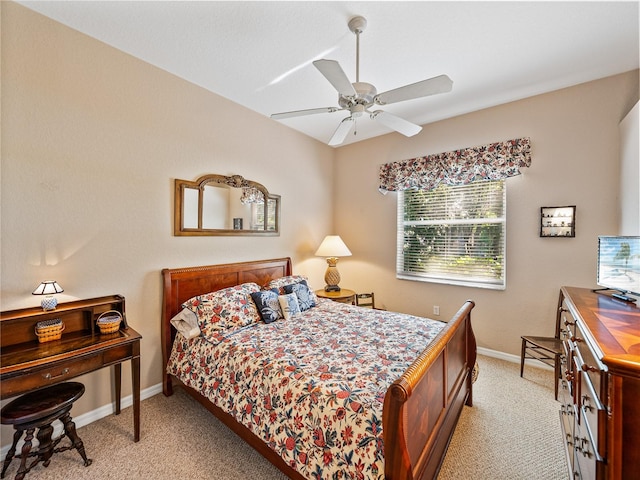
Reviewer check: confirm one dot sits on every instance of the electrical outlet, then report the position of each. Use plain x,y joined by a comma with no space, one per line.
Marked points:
436,310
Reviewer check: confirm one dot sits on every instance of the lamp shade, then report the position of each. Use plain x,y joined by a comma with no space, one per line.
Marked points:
333,246
48,287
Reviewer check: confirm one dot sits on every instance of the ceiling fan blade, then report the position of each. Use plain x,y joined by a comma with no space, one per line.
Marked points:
336,76
300,113
342,131
431,86
398,124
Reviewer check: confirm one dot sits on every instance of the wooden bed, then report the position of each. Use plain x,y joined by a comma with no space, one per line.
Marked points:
421,408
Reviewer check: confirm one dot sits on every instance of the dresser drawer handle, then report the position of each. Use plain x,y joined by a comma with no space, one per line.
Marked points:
584,448
586,403
589,368
576,339
48,376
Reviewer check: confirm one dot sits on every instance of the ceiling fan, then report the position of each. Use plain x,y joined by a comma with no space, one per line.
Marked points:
359,97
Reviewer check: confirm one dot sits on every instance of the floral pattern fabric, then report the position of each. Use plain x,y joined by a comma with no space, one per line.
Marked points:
311,387
227,309
494,161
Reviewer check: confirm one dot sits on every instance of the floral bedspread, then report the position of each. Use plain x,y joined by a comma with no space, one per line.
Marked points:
312,387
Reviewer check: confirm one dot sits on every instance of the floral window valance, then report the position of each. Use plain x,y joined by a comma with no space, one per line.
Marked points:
494,161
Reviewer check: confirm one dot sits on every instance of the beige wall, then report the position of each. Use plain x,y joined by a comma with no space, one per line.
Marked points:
93,138
91,141
575,161
629,201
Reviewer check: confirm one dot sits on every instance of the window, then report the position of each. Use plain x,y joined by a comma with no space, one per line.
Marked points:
257,215
453,234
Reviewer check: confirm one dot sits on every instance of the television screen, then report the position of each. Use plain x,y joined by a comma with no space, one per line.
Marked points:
619,263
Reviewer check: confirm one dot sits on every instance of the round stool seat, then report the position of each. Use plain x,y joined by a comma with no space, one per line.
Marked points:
37,410
41,403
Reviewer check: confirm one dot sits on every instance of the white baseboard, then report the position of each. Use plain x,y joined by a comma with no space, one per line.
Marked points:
90,417
500,355
511,358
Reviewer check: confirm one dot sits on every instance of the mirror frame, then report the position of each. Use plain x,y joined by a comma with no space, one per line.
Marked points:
233,181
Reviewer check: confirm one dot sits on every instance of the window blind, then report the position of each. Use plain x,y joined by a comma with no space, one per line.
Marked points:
453,234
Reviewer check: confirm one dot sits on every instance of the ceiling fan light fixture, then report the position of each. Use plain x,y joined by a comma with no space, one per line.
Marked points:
357,111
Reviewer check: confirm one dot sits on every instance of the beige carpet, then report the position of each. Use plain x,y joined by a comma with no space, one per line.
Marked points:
512,432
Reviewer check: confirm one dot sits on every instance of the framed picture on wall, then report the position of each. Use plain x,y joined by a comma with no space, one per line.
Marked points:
558,221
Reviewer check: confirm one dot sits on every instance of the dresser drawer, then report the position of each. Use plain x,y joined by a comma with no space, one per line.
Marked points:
49,374
564,389
566,426
567,322
592,412
589,364
585,453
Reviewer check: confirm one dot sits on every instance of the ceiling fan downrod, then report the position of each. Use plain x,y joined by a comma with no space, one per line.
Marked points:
357,26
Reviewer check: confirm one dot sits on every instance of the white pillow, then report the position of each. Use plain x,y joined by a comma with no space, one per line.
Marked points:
289,305
186,322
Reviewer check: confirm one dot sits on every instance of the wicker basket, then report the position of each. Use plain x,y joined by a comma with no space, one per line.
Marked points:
109,322
48,330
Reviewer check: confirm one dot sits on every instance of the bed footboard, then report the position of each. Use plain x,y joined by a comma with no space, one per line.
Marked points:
422,407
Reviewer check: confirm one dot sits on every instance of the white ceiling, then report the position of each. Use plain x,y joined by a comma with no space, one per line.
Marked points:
259,54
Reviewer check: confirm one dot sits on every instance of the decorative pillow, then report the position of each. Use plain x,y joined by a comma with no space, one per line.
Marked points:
306,298
268,304
289,305
186,322
281,282
229,308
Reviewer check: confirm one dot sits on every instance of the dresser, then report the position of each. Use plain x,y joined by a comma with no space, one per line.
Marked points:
600,384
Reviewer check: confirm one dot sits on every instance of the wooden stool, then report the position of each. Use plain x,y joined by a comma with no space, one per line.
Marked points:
38,409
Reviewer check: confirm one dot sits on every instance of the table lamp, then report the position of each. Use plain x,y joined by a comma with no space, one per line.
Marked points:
48,288
332,247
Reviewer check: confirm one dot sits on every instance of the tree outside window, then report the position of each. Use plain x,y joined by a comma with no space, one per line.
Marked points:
453,234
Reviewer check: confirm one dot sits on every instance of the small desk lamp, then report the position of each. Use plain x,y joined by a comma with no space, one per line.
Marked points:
48,288
332,247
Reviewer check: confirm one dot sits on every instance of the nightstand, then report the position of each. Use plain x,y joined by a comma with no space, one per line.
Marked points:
343,295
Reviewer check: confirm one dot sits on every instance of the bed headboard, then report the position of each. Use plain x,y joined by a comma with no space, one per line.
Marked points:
180,284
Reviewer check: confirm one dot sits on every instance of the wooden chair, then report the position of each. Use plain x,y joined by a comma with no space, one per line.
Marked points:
365,300
548,350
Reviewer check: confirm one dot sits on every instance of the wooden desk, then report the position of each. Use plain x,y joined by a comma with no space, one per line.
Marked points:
26,364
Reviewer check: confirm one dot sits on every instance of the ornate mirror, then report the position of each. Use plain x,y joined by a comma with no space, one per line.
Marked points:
219,205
